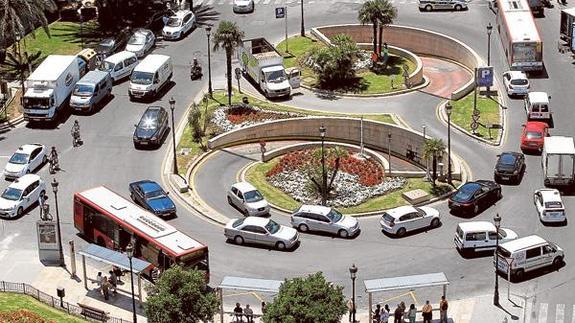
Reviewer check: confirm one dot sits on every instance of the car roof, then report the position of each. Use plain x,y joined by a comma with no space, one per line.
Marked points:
538,97
244,186
256,220
149,186
315,209
118,57
536,125
28,148
471,185
23,182
399,211
550,195
142,31
181,13
522,243
517,74
476,226
93,77
152,63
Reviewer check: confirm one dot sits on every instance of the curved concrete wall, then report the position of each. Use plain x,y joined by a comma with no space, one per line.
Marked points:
416,40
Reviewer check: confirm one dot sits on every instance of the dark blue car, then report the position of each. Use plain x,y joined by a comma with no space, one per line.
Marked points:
152,197
475,196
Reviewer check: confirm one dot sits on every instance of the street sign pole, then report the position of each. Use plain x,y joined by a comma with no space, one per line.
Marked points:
281,12
287,50
474,99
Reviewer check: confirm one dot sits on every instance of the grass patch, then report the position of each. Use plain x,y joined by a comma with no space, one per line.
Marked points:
489,108
14,302
368,82
256,175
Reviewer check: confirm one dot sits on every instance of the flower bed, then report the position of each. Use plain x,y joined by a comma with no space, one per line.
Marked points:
242,115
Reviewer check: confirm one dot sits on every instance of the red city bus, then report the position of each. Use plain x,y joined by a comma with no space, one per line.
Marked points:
109,220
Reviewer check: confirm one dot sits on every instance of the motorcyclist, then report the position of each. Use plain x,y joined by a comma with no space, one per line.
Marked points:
54,158
196,68
76,133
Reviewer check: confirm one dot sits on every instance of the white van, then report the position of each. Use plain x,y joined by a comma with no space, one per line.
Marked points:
476,236
537,106
90,91
150,76
527,254
119,65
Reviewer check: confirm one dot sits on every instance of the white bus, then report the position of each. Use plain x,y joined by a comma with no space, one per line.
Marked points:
521,42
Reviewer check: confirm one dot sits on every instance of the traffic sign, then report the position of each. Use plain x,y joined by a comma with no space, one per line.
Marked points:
238,72
484,76
280,12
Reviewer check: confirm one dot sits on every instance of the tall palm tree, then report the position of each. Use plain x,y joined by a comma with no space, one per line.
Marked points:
369,14
433,149
228,37
19,17
17,65
387,14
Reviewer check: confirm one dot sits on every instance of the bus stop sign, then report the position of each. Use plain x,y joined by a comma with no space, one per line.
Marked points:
484,76
280,12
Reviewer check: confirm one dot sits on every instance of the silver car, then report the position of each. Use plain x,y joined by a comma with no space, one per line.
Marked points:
325,219
248,199
429,5
262,231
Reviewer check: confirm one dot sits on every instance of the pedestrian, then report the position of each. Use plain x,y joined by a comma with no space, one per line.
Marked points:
376,313
99,281
443,310
264,308
398,314
238,312
412,313
351,309
403,308
384,314
113,281
249,313
427,312
106,287
118,272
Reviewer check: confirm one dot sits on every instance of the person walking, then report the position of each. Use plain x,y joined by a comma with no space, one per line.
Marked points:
249,314
113,281
376,313
384,315
106,287
351,309
412,313
264,308
443,305
427,312
398,314
238,312
99,281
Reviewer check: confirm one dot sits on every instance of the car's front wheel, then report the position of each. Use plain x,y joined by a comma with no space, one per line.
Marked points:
343,234
239,240
458,7
435,223
280,245
428,8
229,201
557,263
401,232
20,212
303,228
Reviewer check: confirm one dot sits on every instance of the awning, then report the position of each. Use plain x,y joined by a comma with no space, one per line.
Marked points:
114,258
405,282
251,284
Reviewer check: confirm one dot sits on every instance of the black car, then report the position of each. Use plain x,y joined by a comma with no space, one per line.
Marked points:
509,167
152,128
112,45
152,197
475,196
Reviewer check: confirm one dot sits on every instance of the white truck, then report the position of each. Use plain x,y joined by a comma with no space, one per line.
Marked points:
264,64
558,161
49,87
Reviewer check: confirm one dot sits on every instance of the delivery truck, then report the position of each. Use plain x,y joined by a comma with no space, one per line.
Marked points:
264,65
49,87
566,25
558,161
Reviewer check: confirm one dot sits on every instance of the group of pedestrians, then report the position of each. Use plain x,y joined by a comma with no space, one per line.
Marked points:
403,314
107,284
240,312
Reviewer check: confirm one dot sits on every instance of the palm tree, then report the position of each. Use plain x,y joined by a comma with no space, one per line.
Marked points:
387,14
369,14
18,65
433,148
19,17
229,37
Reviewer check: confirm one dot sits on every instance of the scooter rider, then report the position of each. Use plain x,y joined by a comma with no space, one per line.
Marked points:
196,71
76,133
54,158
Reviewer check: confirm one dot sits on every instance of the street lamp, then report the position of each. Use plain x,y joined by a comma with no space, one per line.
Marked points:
172,107
489,30
353,275
302,31
323,173
209,33
59,233
130,254
497,221
448,108
389,150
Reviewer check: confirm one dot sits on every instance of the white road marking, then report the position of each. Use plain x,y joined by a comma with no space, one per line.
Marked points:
573,315
559,313
529,312
5,156
543,313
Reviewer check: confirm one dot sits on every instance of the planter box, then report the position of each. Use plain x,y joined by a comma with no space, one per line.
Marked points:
416,196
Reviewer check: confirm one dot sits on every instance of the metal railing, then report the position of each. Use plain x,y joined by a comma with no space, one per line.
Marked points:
23,288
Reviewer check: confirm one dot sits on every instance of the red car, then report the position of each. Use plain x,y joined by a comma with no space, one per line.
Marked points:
533,134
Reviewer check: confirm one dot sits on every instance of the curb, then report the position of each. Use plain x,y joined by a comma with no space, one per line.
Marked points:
10,124
366,96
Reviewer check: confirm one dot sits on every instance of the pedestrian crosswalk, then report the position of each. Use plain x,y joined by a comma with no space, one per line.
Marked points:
549,313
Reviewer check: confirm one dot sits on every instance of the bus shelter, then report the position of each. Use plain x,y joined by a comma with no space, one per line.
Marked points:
246,284
403,282
114,258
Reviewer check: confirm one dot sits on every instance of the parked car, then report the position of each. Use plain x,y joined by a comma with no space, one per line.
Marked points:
510,166
151,196
429,5
141,42
248,199
400,220
112,45
26,159
475,196
516,83
533,134
325,219
152,128
549,205
243,6
477,236
179,25
21,194
262,231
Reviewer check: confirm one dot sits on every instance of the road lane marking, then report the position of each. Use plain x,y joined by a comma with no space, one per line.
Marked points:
543,313
573,315
560,313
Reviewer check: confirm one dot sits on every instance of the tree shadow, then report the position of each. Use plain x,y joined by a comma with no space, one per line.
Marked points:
354,85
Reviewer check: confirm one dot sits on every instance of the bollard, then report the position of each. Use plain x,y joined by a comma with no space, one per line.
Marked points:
72,259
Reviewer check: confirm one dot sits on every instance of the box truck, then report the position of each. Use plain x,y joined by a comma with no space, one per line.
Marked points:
49,87
264,64
566,25
558,161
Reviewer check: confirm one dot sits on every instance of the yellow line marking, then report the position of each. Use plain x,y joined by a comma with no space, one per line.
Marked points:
398,296
254,294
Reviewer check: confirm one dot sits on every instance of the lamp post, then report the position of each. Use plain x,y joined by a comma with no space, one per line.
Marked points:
353,275
489,30
426,159
302,31
448,108
172,107
130,254
209,33
58,232
323,173
389,150
497,220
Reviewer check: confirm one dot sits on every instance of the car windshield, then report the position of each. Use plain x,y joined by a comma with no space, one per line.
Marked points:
466,192
253,196
174,22
12,194
237,223
420,211
83,90
334,215
19,158
534,135
148,121
37,102
507,159
106,66
144,78
553,205
388,217
503,252
519,82
155,194
272,227
137,39
276,76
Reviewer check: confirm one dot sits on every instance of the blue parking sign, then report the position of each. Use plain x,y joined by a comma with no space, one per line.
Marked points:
280,12
484,76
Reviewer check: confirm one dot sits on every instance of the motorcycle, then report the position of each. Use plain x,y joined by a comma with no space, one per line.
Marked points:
196,72
53,165
76,141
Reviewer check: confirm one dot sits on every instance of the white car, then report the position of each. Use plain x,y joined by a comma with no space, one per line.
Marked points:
241,6
26,159
516,83
179,25
429,5
480,236
549,205
402,219
248,199
141,42
20,195
325,219
262,231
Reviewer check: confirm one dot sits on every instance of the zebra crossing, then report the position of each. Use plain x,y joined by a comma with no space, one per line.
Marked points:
549,313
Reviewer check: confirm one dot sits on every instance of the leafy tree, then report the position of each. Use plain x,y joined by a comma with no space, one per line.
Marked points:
19,17
181,295
307,300
194,119
433,149
334,64
228,37
17,65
